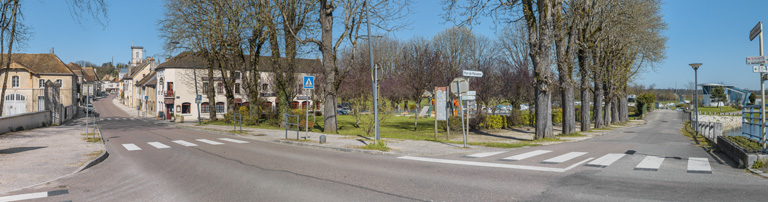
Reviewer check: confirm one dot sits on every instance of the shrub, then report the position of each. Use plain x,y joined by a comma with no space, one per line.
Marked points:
529,119
229,116
557,116
758,164
515,118
494,122
455,122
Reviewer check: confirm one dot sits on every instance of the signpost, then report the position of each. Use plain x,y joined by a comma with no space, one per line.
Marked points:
470,73
756,60
758,31
309,83
760,69
198,99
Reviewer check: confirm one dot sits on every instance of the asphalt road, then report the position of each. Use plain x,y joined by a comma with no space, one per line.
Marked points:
263,171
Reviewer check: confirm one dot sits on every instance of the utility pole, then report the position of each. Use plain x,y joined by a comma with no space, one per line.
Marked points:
373,70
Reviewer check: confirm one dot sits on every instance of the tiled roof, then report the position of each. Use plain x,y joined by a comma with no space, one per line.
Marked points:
186,60
41,63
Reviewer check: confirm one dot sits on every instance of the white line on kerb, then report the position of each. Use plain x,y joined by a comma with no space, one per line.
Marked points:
24,196
495,165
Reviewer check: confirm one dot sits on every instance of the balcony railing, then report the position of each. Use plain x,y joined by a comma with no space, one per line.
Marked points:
169,93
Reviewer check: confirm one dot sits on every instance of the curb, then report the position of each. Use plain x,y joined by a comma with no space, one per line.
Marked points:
758,172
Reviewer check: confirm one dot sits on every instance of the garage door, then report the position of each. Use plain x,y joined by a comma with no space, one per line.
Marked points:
15,104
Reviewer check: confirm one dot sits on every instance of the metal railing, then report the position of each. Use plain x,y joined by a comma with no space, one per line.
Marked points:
751,126
238,120
289,125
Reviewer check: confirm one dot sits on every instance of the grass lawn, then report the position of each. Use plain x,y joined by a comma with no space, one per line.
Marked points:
395,127
716,109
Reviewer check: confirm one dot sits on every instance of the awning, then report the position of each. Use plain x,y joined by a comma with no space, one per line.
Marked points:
169,101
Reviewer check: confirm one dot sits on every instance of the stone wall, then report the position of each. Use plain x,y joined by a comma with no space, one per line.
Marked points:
25,121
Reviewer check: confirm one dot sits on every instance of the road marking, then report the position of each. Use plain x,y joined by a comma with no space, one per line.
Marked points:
101,119
125,118
484,154
133,119
699,165
526,155
109,119
184,143
606,160
158,145
494,165
36,195
650,163
209,141
233,140
131,147
564,157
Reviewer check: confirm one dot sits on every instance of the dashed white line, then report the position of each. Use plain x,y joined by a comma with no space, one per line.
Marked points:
526,155
233,140
184,143
36,195
564,157
606,160
158,145
699,165
496,165
484,154
209,141
651,163
131,147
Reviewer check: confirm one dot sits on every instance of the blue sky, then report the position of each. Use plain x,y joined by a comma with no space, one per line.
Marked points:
711,32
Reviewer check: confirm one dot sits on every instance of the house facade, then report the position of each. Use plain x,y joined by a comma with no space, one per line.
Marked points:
27,76
139,68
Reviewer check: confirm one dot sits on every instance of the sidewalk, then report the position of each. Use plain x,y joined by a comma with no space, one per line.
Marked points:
34,157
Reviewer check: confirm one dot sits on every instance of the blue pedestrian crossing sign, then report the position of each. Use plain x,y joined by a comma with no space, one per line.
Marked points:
309,82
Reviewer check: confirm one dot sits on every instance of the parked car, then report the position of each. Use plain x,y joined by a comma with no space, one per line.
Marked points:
89,108
342,111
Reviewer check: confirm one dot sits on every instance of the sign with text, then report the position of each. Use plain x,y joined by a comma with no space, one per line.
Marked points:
471,92
468,97
756,60
441,100
309,82
756,31
761,69
471,73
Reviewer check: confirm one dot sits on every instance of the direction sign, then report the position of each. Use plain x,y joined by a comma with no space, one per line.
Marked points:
471,73
309,82
471,92
757,69
146,97
756,30
468,97
756,60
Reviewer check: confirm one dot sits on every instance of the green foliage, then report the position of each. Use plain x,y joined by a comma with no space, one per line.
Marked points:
229,117
529,119
455,123
557,116
646,100
758,164
494,122
718,94
752,98
380,145
745,143
682,106
515,118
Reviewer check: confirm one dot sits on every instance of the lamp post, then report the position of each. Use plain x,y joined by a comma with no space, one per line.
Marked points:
695,67
375,83
194,72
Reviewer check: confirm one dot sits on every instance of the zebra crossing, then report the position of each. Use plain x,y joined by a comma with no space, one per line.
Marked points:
648,163
159,145
118,119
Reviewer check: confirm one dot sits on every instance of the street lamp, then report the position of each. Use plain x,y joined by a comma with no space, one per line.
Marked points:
194,72
695,67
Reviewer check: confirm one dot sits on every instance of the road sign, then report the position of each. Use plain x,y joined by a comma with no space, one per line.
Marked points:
441,100
146,97
756,60
309,82
471,73
756,30
757,69
468,97
471,92
198,99
459,84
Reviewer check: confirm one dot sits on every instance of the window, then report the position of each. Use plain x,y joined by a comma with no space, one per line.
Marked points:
186,108
237,75
264,87
205,108
219,107
205,86
220,88
41,83
58,82
14,81
237,88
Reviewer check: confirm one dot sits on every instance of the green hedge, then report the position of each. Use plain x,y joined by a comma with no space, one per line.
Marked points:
494,122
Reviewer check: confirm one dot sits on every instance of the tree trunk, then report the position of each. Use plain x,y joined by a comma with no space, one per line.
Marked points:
540,40
329,67
598,105
569,110
623,108
416,117
607,117
615,111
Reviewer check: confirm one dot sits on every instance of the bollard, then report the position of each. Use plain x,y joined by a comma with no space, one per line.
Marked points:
322,139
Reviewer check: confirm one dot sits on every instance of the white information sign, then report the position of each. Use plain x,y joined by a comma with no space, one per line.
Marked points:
471,73
440,102
757,69
468,97
756,60
471,92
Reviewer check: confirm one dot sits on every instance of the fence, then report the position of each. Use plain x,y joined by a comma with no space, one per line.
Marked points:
710,130
751,126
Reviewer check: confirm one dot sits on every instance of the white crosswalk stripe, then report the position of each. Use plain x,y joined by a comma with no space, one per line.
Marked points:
606,160
125,118
133,119
109,119
131,147
233,140
699,165
209,141
101,119
484,154
158,145
564,157
651,163
184,143
526,155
